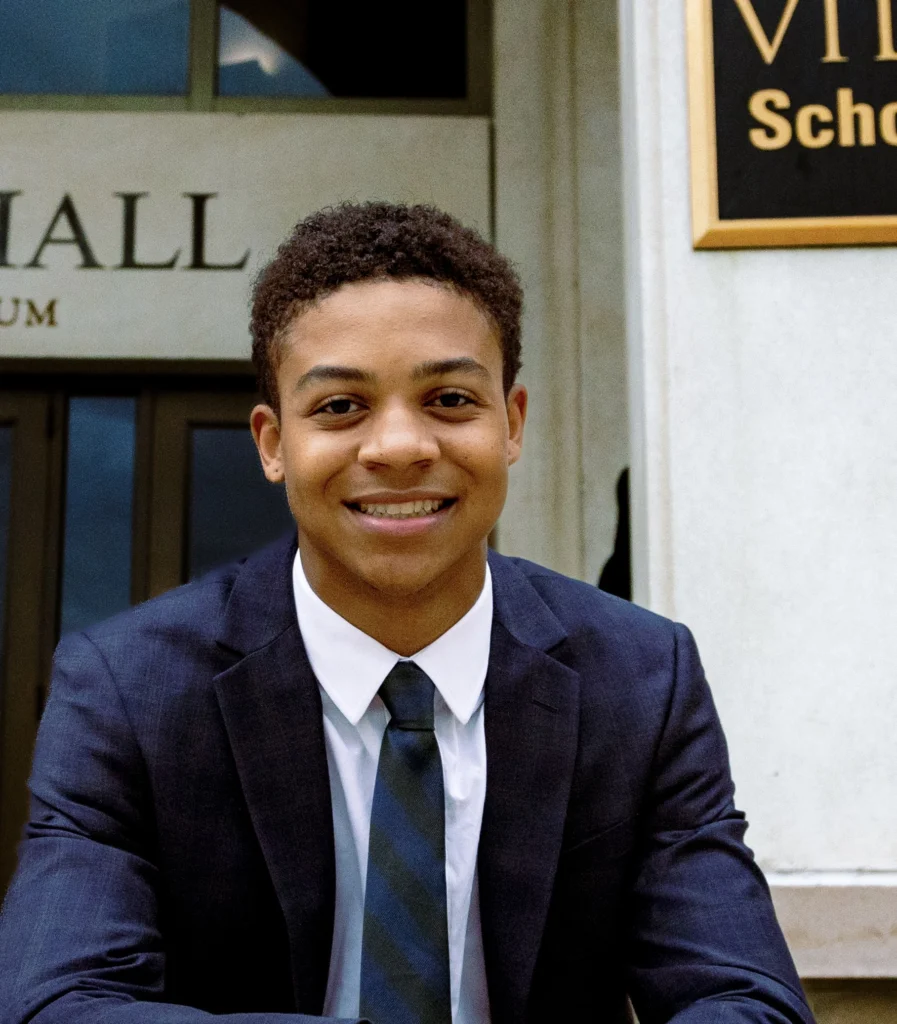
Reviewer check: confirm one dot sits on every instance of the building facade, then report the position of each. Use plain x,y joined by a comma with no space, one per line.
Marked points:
153,155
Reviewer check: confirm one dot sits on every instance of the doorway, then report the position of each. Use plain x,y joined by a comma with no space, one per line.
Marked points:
113,488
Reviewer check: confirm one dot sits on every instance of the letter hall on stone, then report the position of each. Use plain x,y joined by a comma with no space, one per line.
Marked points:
67,229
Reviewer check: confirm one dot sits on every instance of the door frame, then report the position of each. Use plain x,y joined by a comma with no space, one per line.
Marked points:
29,608
34,400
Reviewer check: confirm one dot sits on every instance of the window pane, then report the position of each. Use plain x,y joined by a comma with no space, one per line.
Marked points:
99,501
253,64
94,46
350,48
233,509
5,488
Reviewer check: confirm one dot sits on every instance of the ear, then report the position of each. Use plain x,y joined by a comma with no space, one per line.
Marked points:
265,428
517,400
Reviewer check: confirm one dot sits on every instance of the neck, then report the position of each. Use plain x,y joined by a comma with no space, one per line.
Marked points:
403,621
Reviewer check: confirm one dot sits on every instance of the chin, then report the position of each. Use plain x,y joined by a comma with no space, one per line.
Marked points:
399,581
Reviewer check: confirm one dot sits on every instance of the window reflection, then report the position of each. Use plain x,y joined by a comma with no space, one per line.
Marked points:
90,47
99,499
350,48
253,64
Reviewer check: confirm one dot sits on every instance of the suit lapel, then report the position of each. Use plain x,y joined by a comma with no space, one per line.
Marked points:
532,719
272,712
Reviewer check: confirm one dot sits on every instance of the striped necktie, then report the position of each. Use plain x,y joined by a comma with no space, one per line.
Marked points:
405,958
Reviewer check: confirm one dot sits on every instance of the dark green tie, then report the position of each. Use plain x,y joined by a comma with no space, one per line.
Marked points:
405,957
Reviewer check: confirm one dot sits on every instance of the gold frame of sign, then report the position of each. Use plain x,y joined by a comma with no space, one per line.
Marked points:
708,230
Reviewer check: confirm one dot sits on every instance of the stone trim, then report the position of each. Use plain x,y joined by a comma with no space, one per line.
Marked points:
839,924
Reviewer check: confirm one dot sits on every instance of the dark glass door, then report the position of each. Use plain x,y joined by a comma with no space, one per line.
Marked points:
26,633
206,471
111,491
97,544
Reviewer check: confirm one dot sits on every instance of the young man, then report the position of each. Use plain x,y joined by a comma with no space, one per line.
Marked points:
379,774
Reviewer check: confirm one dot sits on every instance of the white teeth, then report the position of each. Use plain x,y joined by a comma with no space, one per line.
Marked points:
403,510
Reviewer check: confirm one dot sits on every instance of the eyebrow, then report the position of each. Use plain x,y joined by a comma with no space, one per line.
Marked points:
440,367
325,373
432,368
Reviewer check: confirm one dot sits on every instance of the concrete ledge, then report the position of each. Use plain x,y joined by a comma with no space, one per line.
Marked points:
839,924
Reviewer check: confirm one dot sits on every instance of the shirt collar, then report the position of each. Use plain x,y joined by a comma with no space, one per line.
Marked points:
350,665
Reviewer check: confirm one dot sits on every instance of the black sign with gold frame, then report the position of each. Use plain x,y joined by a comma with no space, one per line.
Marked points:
793,109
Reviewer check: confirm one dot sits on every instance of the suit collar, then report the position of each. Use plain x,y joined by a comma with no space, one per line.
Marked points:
260,606
520,609
350,665
261,603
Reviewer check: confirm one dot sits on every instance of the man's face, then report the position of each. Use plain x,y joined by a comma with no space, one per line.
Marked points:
394,439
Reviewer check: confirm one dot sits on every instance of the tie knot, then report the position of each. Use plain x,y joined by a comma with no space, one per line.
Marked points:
407,692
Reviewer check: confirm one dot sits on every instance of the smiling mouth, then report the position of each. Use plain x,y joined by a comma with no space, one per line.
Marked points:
403,510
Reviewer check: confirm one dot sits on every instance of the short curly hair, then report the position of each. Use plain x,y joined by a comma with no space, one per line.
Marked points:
379,241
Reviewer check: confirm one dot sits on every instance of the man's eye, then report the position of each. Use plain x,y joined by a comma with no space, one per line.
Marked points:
339,407
452,400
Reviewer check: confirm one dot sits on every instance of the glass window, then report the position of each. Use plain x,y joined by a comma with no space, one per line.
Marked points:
233,508
5,488
350,48
87,47
251,63
99,500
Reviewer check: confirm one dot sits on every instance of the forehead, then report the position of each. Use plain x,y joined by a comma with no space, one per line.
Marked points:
371,322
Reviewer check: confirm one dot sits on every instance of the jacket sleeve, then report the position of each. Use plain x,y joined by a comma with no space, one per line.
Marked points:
705,946
79,937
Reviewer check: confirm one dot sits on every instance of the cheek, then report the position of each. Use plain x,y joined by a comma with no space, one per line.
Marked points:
491,454
481,446
485,463
314,463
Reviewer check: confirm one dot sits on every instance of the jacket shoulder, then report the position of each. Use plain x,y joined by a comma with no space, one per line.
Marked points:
150,646
197,628
582,607
193,608
621,652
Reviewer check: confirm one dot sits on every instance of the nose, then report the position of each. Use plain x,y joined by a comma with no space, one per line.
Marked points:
398,436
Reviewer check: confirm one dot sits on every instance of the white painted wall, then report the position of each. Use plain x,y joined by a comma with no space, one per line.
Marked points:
764,426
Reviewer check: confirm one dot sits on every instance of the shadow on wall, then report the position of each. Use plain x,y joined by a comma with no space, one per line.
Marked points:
616,576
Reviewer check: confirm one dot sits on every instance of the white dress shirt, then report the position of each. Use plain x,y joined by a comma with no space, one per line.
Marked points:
350,667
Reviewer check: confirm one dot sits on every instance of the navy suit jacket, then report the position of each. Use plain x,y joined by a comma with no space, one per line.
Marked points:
179,860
